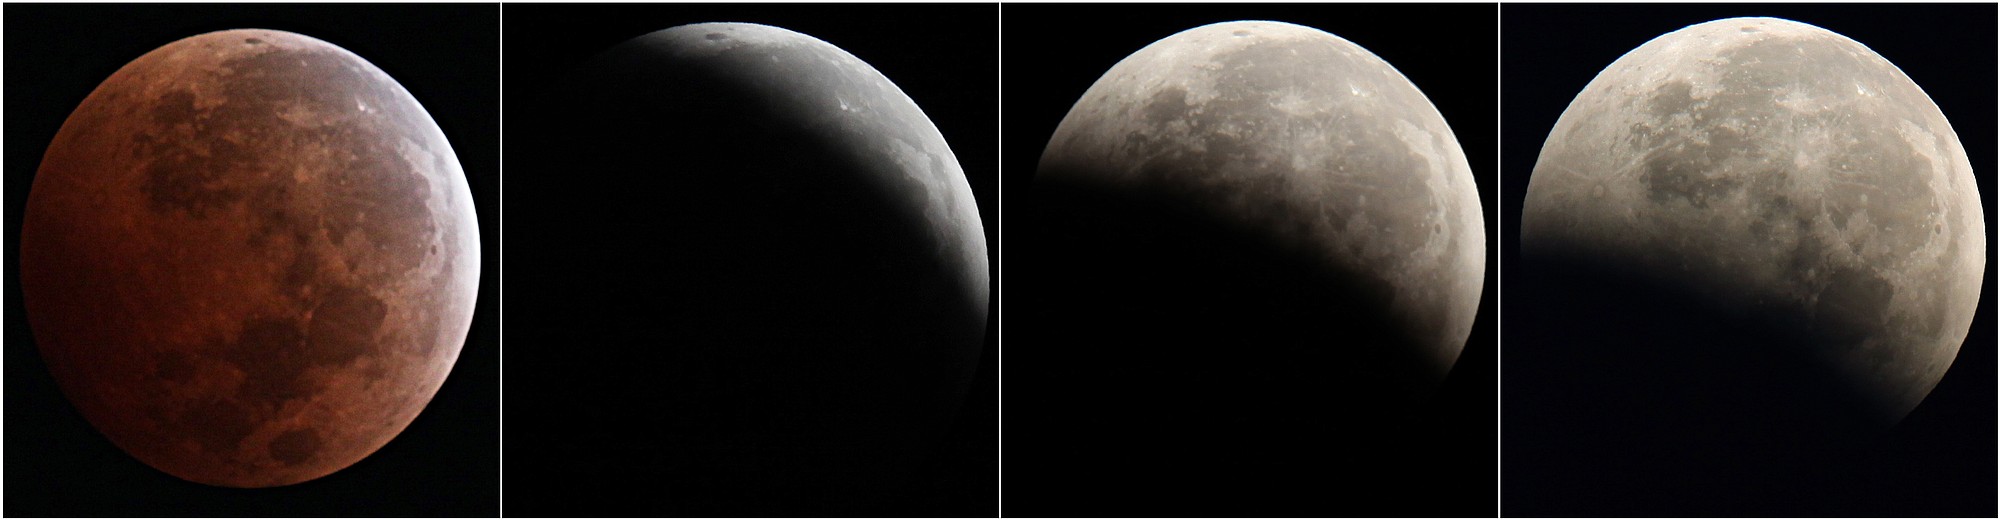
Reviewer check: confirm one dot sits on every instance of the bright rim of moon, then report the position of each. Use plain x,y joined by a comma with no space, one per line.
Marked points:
846,96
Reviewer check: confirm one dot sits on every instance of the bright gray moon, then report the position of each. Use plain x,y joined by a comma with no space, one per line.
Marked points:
1774,166
1305,137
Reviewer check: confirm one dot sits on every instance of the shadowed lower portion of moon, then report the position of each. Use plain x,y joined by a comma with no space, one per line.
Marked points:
1251,248
793,303
249,258
1346,177
1795,195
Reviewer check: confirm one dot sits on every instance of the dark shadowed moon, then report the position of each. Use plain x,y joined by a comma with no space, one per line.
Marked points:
1789,180
249,258
788,273
1346,179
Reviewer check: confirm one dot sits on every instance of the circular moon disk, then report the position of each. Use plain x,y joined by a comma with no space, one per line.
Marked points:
1776,168
1307,139
249,258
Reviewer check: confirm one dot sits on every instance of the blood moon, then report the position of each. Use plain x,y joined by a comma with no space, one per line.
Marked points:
249,258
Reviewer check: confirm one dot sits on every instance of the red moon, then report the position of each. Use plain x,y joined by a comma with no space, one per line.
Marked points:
249,258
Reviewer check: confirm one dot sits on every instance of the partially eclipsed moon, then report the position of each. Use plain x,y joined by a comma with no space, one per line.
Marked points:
1306,139
1777,168
811,253
249,258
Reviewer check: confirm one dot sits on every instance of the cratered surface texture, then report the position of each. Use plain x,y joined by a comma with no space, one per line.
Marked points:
809,256
1776,171
1305,143
249,258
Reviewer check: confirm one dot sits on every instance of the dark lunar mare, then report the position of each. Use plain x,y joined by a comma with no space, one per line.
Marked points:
276,352
806,344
